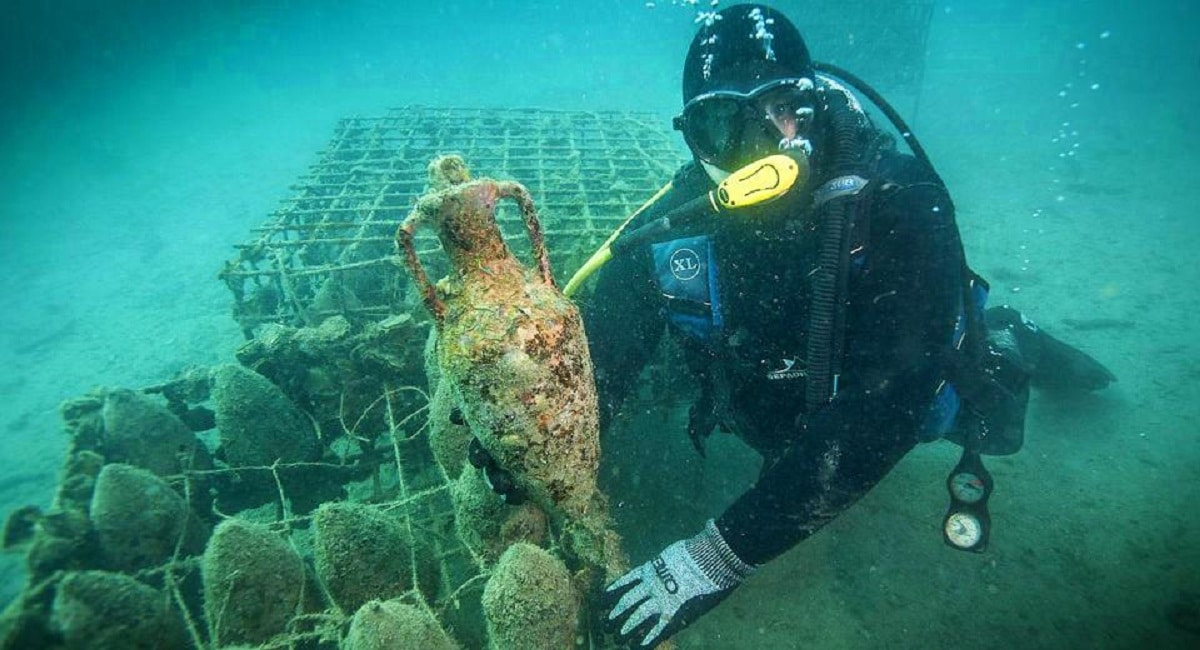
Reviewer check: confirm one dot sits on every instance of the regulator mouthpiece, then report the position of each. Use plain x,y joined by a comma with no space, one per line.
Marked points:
761,181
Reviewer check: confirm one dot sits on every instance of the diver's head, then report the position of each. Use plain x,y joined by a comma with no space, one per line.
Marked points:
748,89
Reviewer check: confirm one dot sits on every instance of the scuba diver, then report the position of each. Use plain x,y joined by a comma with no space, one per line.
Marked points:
832,327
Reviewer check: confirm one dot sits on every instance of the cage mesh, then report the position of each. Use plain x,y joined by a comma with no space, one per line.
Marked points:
329,248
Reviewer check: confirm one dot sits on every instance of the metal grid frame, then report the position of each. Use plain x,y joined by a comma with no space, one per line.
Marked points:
329,250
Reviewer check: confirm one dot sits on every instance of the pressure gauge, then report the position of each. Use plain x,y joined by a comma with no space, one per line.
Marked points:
963,530
967,487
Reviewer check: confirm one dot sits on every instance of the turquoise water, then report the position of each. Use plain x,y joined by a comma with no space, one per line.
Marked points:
139,143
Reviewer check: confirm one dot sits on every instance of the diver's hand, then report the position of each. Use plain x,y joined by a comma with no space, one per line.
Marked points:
659,598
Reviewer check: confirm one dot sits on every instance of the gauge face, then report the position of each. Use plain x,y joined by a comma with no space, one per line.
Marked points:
963,530
966,487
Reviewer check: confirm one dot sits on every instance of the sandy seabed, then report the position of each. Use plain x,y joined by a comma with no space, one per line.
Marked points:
117,210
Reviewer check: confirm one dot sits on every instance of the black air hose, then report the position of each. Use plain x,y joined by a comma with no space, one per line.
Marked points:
825,317
892,114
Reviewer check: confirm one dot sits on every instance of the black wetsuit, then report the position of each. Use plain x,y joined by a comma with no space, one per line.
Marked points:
902,298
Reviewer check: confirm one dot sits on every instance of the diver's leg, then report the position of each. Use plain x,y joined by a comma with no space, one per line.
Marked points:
1052,364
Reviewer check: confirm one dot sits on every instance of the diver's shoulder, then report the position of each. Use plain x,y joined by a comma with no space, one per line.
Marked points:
688,182
909,195
903,169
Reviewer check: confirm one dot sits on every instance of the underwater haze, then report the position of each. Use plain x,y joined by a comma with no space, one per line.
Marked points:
140,141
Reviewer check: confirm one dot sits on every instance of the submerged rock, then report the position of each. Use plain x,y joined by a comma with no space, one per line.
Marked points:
389,625
98,610
253,583
362,554
486,524
258,424
140,431
529,602
139,519
63,541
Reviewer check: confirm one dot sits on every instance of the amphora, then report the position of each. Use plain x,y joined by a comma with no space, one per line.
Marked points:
513,347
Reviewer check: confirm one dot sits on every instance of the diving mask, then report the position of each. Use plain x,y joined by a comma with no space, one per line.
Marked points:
727,129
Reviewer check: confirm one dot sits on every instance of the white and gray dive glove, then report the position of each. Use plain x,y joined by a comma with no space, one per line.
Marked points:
659,598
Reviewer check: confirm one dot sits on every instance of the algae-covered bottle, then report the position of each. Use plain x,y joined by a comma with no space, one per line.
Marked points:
513,348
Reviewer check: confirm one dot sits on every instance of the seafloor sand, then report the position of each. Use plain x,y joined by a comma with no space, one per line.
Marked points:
118,208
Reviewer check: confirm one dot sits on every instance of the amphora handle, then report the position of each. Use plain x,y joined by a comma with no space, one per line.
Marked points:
404,242
504,190
521,196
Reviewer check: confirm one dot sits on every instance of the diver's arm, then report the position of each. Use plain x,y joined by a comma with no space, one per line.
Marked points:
623,323
902,309
623,317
